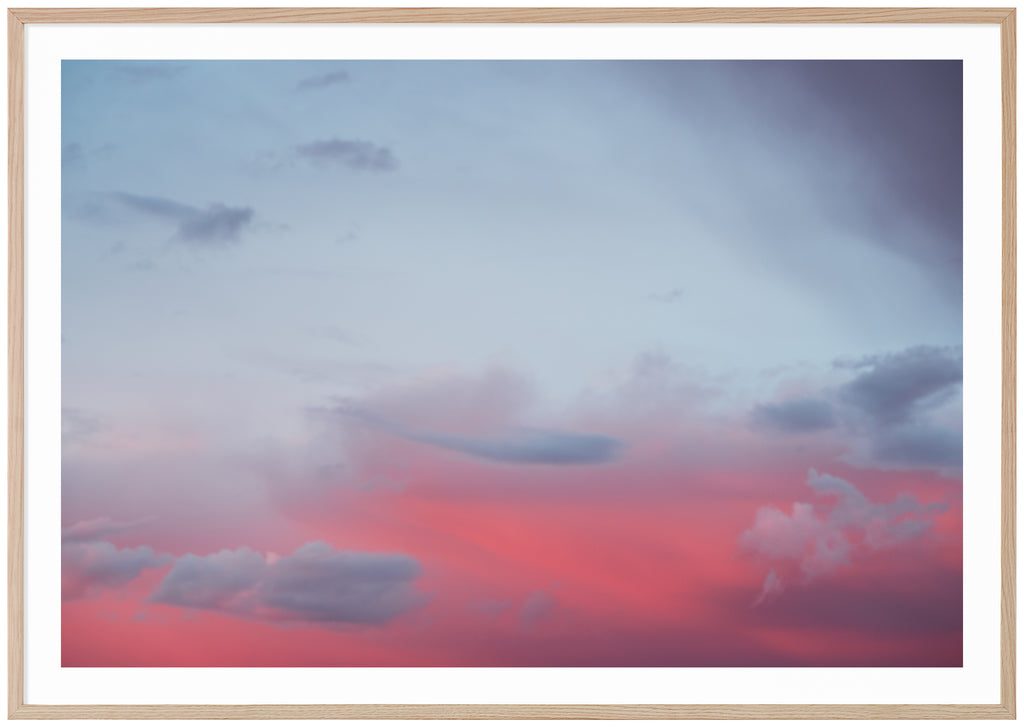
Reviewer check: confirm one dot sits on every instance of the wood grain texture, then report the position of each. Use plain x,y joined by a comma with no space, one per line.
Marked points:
1008,527
519,711
511,15
15,362
17,18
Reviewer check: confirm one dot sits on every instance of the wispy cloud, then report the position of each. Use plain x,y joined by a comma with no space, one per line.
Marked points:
771,588
323,80
354,154
216,225
516,446
99,529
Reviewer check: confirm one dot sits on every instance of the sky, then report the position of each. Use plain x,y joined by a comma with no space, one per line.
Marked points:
512,363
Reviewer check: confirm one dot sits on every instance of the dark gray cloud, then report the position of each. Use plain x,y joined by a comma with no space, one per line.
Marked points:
88,568
529,446
899,408
323,80
212,581
315,584
796,416
901,120
354,154
908,115
216,225
893,386
918,446
517,446
318,583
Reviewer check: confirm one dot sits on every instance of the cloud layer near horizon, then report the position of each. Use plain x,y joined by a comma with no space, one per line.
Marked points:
534,567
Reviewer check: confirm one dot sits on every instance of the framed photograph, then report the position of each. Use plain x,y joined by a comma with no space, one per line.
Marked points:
511,363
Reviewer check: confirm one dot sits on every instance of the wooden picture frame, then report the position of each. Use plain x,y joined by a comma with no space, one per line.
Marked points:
18,19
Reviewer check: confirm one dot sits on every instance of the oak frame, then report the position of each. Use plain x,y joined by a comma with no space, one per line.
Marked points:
18,18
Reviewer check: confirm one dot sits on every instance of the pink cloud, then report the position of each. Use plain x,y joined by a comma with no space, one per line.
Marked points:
820,540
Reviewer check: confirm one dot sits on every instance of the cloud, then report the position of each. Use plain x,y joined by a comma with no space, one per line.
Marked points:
315,584
90,567
321,81
318,583
894,386
772,587
216,225
90,564
529,446
796,416
354,154
517,446
212,582
98,529
820,540
914,446
902,409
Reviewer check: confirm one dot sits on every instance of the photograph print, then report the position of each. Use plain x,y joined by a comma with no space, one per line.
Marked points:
511,363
